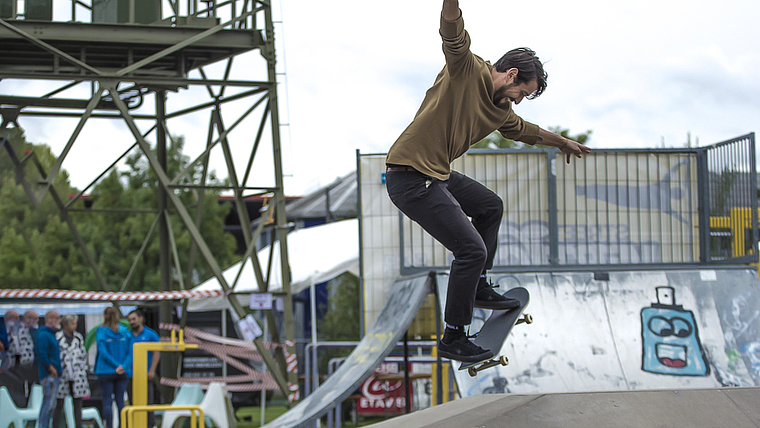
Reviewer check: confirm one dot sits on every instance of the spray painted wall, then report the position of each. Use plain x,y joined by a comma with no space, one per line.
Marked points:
637,330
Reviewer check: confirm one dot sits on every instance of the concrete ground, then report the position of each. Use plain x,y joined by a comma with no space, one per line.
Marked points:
708,408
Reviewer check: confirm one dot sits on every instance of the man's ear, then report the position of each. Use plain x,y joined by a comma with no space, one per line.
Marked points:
512,73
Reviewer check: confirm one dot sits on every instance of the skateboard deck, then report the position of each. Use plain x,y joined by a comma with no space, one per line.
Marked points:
496,329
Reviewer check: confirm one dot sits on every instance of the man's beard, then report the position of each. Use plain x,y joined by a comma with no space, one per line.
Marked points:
500,95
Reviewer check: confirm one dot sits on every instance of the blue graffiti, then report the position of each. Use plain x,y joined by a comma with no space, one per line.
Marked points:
656,196
671,344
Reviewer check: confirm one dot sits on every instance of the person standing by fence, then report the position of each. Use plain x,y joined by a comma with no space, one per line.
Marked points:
113,343
49,365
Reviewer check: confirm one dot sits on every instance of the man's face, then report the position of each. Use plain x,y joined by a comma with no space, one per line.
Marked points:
11,316
53,320
135,321
514,92
31,319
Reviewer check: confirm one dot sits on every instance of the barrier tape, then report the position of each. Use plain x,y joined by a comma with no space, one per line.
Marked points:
107,295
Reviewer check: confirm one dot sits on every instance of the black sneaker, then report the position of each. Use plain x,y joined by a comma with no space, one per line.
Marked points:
487,298
461,349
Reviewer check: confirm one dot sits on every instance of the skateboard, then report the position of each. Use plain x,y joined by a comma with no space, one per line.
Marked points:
496,329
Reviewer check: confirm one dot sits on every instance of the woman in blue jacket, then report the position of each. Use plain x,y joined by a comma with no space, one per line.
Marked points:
113,349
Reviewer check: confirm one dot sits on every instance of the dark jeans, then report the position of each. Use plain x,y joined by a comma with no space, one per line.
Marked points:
151,399
112,387
59,411
442,208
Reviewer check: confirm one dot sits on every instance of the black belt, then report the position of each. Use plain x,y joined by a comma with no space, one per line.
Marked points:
399,168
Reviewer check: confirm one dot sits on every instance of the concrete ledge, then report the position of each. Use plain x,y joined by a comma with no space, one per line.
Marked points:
734,407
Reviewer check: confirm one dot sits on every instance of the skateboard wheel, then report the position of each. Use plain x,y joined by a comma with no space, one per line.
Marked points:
472,372
503,360
528,319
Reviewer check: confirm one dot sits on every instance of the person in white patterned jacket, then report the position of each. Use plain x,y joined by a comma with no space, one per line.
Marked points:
74,363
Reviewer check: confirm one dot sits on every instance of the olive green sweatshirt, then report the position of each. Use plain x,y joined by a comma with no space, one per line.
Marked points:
457,112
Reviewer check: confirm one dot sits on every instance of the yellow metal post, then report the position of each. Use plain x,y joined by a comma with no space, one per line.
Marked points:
128,414
140,370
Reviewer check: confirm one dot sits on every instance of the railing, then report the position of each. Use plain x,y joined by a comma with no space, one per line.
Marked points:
612,209
237,14
197,418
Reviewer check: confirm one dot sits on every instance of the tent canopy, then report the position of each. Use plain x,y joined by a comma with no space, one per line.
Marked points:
316,254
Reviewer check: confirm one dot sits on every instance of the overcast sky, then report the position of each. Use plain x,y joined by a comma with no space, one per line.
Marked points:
635,73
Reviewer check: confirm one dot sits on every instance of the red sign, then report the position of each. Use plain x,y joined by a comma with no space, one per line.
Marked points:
383,396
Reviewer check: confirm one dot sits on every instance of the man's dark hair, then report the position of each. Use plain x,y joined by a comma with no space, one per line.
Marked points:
139,313
528,67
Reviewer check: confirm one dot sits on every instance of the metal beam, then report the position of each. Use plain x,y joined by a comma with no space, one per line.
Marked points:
140,252
167,81
163,180
88,111
279,196
49,48
178,46
205,153
245,221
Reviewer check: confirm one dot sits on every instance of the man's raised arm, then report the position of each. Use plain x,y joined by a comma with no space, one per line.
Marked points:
450,10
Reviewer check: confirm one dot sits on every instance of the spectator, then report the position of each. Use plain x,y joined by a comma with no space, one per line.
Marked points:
74,364
3,338
141,333
12,324
113,350
49,357
4,357
27,332
25,349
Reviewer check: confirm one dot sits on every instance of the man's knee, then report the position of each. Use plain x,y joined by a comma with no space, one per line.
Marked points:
495,207
474,251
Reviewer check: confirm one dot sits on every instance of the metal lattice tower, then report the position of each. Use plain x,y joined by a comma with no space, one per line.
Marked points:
112,55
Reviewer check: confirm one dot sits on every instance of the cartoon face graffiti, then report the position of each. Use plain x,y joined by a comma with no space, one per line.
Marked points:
670,340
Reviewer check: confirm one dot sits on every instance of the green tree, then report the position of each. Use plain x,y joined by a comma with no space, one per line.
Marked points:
37,249
495,140
341,322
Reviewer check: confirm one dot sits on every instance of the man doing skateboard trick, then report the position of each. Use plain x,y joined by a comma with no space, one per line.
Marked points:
469,99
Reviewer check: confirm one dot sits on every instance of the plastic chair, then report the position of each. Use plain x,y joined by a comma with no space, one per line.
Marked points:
19,417
188,394
214,405
88,414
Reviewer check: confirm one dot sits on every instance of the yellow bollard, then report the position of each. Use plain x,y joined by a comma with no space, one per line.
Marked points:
131,414
140,369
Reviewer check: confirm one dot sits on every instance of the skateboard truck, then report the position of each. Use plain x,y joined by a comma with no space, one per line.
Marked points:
493,362
526,318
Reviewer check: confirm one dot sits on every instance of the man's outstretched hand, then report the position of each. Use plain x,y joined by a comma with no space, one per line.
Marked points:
571,148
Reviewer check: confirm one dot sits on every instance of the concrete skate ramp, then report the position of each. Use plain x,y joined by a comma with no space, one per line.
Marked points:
707,408
632,330
404,300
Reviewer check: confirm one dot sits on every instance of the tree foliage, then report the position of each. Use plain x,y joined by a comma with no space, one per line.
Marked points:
38,249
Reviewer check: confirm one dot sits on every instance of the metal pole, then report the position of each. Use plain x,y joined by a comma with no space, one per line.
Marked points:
407,401
438,372
263,391
169,366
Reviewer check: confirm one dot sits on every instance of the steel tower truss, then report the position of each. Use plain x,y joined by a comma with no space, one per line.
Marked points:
120,65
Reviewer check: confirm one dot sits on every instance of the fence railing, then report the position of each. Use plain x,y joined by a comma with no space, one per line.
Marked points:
613,208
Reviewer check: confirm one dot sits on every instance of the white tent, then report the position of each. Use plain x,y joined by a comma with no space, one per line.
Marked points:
316,254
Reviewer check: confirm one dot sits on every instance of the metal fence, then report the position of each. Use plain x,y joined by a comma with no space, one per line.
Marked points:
613,208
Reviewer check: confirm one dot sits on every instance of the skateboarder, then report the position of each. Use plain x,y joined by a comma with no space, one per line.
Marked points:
469,99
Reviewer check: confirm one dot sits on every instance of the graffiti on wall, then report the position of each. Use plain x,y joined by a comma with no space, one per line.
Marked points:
670,338
528,243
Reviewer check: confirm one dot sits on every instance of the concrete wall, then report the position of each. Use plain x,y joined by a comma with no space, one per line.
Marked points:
638,330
